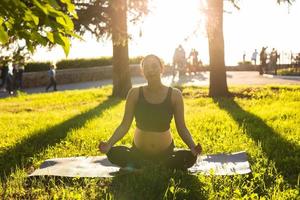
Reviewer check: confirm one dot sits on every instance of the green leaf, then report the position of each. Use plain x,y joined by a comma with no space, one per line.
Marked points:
67,45
76,36
3,35
61,20
71,8
29,46
37,37
69,22
40,6
172,189
50,37
54,4
62,41
58,39
29,16
35,19
8,25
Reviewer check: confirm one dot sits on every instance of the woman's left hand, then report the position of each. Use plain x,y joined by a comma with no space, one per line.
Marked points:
197,150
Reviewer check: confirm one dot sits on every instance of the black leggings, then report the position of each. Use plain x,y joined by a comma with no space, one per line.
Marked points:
133,157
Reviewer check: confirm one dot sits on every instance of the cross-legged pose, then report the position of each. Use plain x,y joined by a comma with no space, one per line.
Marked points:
153,107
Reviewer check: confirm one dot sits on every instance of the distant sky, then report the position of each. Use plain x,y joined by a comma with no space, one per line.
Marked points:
258,23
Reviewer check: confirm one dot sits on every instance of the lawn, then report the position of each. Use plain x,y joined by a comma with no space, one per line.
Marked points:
263,121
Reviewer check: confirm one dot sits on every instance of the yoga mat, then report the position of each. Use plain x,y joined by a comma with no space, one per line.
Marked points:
99,166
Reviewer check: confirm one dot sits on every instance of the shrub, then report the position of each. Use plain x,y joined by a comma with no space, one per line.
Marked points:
76,63
37,66
244,63
135,60
82,63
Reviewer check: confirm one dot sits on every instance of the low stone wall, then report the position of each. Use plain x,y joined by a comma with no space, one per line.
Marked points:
65,76
40,79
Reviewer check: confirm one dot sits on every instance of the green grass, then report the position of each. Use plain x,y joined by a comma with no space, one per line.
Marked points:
264,121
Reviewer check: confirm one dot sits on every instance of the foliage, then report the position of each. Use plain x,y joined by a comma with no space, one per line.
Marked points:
95,16
38,22
76,63
245,63
263,121
82,63
37,66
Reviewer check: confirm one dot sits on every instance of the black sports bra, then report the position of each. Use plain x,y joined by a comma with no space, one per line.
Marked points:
153,117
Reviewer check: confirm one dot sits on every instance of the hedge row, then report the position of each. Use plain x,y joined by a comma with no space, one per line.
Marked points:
75,63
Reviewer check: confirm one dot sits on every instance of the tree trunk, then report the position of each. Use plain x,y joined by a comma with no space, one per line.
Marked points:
121,72
217,82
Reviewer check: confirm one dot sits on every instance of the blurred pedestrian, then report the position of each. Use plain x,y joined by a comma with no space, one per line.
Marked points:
254,56
52,78
263,60
179,60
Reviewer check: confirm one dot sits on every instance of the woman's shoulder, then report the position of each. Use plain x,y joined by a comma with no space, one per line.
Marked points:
133,93
176,91
176,95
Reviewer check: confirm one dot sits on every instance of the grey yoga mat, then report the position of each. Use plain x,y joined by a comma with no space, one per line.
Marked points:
99,166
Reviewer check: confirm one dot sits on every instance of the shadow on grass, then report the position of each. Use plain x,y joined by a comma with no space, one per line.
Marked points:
20,155
284,153
155,183
151,184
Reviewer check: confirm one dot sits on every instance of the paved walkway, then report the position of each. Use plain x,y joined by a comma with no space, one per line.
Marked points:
199,79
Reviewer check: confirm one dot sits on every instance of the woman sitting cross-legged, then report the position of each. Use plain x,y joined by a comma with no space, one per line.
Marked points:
153,107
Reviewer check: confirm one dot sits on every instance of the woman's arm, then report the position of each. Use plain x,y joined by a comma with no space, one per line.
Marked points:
183,131
123,128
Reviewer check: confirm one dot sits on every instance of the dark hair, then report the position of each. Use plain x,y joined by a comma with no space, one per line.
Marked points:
152,55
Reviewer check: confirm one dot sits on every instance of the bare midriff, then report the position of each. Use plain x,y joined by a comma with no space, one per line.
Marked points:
152,142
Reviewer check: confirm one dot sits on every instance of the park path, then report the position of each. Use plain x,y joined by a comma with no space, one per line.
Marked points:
199,79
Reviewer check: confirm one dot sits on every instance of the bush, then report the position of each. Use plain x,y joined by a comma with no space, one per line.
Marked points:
82,63
135,60
76,63
244,63
37,66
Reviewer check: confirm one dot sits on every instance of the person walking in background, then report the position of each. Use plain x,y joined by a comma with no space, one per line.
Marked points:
52,78
254,56
19,74
263,60
244,57
179,60
4,72
10,78
193,60
273,60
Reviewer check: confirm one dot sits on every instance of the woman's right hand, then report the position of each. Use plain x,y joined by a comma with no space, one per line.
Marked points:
104,147
197,150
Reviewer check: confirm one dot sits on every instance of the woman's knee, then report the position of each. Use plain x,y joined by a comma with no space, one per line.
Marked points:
186,158
117,154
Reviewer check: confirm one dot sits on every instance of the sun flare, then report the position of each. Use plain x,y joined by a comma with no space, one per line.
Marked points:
174,22
170,23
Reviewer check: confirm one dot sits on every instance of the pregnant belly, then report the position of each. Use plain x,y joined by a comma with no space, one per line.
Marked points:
152,142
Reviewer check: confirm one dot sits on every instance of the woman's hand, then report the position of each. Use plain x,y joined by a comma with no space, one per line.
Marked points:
104,147
197,150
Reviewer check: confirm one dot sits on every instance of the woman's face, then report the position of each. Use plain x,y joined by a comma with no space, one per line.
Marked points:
152,68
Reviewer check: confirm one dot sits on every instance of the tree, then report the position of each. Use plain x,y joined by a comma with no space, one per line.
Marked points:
37,22
218,82
108,18
121,72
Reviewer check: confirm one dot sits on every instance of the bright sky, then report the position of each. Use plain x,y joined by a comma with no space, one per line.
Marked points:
258,23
